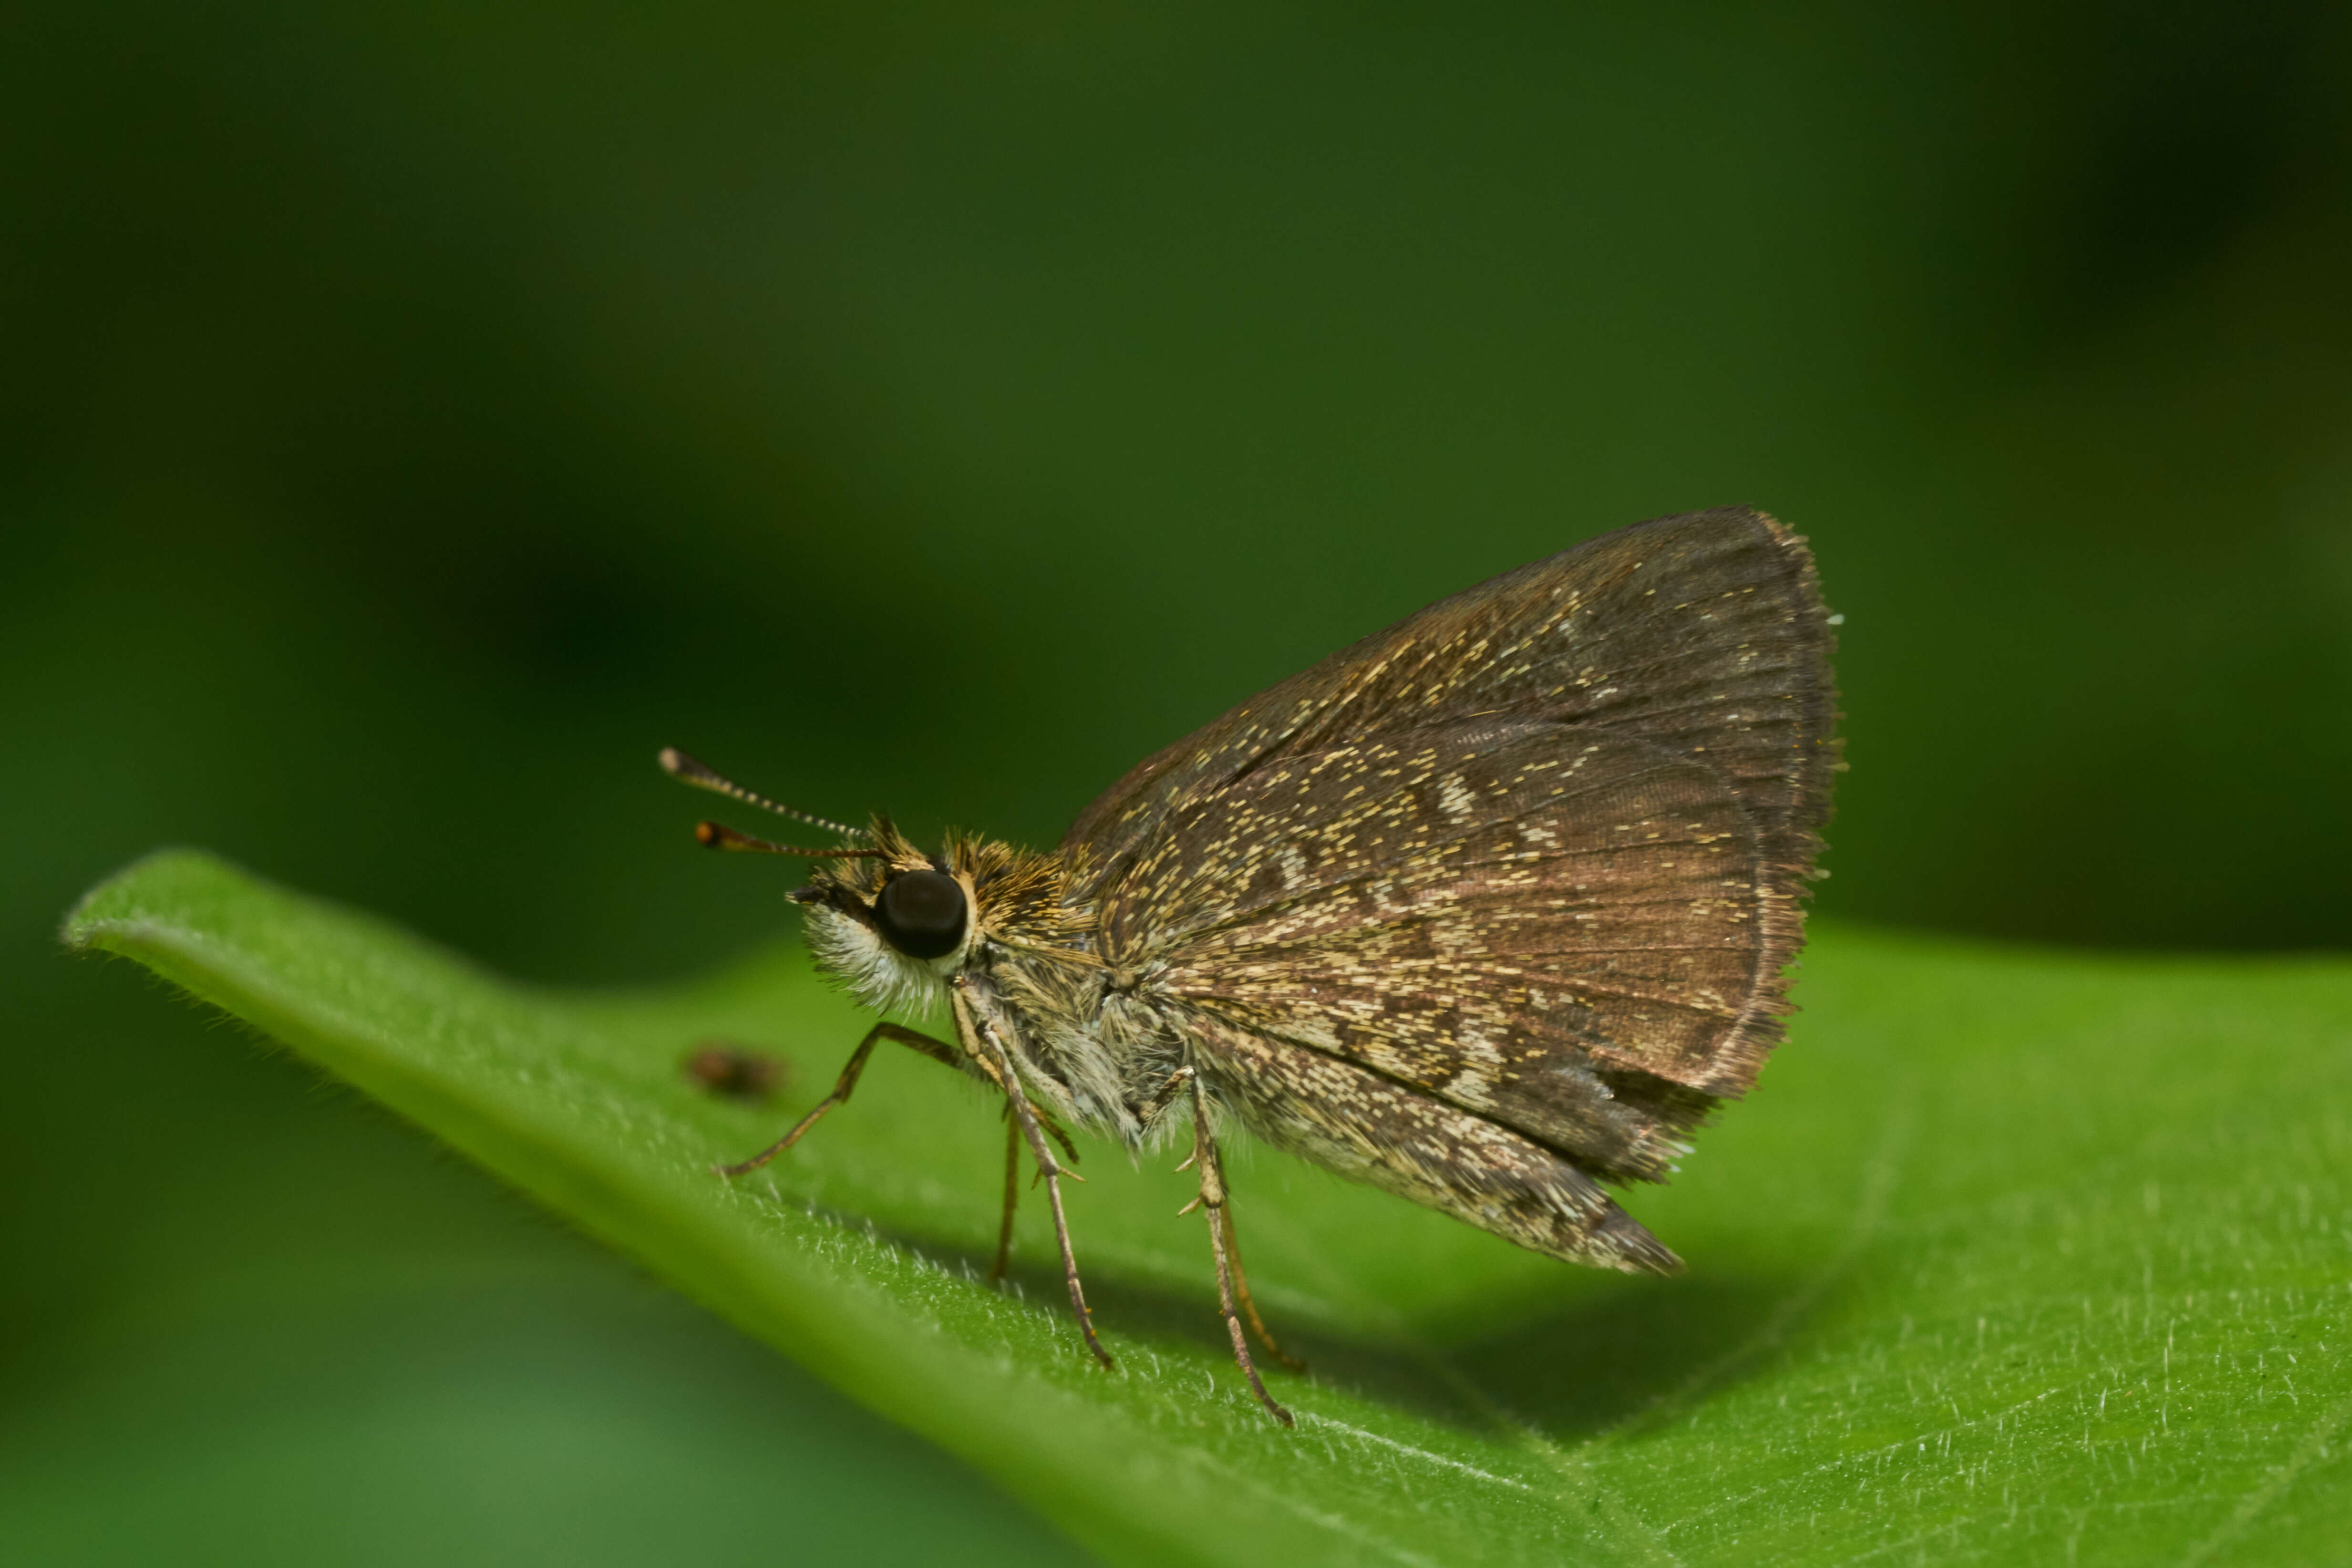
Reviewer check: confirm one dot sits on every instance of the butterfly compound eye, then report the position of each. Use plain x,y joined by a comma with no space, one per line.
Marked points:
921,913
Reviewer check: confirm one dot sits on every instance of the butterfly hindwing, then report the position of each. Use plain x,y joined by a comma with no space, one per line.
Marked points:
1358,1124
1506,920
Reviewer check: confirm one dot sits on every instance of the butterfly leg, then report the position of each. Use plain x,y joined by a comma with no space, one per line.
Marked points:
1221,1247
1171,1090
990,1053
938,1050
1162,1098
1012,1195
1249,1307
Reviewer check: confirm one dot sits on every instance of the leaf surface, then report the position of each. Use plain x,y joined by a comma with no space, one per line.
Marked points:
2017,1255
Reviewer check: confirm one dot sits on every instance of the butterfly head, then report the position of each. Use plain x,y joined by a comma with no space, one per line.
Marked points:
891,923
891,926
888,921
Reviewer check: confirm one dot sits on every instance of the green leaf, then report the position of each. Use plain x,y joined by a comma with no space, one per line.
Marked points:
2013,1255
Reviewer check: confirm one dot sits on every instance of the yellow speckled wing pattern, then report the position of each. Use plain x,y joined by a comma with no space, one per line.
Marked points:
1501,925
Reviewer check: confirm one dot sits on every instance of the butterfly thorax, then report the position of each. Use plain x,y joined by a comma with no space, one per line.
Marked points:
1019,949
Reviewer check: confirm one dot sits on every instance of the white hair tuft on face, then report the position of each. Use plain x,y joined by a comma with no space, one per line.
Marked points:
877,974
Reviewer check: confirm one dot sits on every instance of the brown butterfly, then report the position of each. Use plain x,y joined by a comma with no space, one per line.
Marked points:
1488,910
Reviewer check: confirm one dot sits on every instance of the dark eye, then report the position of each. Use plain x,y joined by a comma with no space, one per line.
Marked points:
921,913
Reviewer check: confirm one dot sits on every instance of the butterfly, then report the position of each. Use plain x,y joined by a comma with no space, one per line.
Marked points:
1488,910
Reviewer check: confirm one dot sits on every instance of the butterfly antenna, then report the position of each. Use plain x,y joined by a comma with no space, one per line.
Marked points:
686,770
718,835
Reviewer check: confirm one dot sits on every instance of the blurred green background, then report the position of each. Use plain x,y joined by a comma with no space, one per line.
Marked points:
414,415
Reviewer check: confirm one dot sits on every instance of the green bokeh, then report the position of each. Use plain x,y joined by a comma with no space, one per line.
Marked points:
410,418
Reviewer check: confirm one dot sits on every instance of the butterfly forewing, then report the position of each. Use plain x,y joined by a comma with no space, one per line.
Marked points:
1532,854
1705,630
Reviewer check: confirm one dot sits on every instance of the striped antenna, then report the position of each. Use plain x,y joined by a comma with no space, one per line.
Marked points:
686,770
